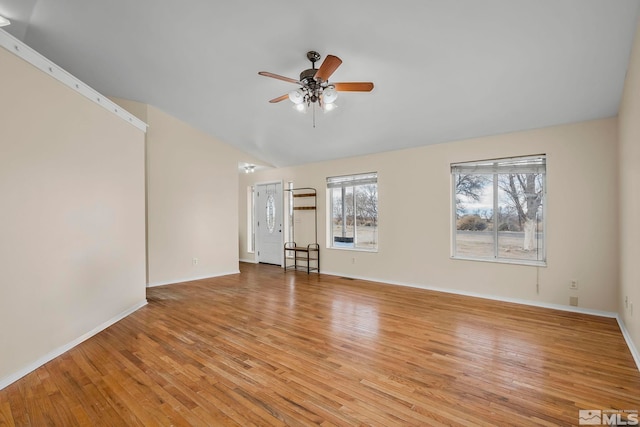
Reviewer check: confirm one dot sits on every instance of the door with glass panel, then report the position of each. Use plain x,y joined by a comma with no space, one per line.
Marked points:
269,232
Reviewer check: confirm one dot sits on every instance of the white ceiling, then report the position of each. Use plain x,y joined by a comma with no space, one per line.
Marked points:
443,70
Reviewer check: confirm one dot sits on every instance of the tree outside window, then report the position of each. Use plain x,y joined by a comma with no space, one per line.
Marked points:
499,210
353,222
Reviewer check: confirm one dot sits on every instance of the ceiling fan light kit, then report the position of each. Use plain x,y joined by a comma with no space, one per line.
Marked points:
297,96
314,85
329,95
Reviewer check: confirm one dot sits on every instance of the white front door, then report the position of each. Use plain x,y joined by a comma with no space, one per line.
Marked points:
269,232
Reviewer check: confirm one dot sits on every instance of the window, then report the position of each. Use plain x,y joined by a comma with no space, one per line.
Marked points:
353,217
498,210
251,232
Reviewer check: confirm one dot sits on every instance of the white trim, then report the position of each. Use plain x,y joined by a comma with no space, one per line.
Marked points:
352,180
23,51
513,261
581,310
520,164
256,249
342,183
627,337
372,251
191,279
6,381
492,167
250,261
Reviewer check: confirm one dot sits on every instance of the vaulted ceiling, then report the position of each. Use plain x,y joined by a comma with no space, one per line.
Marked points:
444,70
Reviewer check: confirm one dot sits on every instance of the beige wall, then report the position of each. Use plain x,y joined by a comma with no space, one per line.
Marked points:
71,217
415,216
629,120
192,199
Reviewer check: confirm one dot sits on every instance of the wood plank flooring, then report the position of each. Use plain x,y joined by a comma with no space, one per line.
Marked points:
269,348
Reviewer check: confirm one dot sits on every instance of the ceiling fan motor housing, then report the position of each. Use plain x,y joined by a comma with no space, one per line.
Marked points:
307,76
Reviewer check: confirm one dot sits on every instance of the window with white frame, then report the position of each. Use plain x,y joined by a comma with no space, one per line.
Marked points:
353,211
499,210
251,233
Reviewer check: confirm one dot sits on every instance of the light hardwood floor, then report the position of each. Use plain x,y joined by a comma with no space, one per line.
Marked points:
271,348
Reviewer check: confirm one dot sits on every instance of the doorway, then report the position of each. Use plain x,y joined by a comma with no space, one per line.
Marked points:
269,219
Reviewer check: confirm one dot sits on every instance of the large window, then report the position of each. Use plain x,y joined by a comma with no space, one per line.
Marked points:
498,210
353,217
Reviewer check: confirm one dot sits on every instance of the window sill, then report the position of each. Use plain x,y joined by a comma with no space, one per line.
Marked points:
503,261
353,249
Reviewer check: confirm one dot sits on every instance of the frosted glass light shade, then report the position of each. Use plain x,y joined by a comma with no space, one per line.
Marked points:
329,95
4,21
296,96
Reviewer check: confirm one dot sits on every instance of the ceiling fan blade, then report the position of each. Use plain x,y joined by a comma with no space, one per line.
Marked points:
354,86
280,98
329,65
279,77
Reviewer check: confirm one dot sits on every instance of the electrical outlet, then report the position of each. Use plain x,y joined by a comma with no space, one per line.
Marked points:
626,302
353,260
631,308
195,261
574,284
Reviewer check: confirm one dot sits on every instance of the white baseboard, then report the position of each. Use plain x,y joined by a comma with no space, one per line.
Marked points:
601,313
630,344
191,279
6,381
582,310
250,261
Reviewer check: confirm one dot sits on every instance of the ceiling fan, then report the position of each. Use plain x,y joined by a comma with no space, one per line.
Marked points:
315,86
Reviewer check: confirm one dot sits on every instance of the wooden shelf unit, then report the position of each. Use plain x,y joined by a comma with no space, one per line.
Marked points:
309,255
304,257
